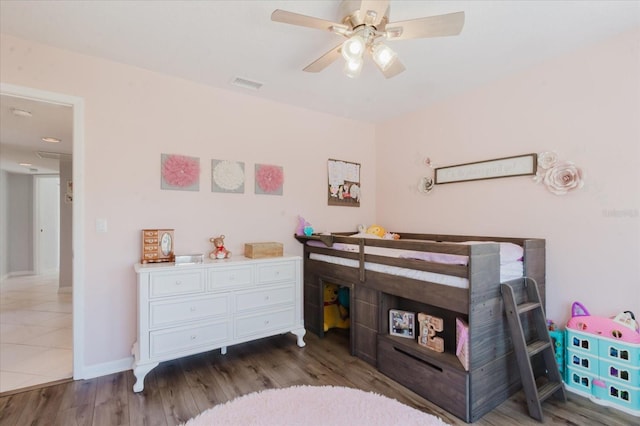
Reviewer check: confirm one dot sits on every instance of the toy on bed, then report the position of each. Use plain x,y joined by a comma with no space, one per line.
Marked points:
304,227
623,326
375,231
335,315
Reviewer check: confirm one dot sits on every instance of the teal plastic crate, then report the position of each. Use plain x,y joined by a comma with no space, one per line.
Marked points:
585,342
624,374
583,361
620,352
616,393
580,380
559,350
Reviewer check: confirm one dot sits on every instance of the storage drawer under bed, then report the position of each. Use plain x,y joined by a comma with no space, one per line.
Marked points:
440,384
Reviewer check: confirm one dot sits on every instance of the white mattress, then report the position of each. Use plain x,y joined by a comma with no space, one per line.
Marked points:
508,271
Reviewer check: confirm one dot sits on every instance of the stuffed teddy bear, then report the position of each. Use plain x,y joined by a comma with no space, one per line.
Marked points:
332,314
219,252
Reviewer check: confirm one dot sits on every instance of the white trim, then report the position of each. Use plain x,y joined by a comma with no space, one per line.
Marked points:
18,274
78,209
106,368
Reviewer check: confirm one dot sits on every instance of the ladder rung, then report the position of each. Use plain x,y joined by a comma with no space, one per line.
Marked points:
529,306
537,346
548,389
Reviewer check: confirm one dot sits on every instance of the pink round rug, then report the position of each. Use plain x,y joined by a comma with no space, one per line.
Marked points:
313,405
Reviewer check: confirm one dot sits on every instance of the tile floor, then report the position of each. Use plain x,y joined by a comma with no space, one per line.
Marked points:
35,332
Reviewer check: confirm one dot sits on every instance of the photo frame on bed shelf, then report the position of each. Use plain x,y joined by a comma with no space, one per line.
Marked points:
402,323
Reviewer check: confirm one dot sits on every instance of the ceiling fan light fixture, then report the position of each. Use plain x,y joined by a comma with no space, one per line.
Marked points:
353,48
352,68
383,55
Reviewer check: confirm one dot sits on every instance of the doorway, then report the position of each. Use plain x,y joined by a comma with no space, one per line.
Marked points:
76,246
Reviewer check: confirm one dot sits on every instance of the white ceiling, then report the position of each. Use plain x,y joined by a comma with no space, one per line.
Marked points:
212,42
21,137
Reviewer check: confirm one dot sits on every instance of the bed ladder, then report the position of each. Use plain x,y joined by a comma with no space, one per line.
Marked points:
536,389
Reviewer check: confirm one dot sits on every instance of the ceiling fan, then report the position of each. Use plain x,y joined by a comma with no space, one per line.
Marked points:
365,24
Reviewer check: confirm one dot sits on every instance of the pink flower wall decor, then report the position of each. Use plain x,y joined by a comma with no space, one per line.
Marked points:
559,177
180,172
269,179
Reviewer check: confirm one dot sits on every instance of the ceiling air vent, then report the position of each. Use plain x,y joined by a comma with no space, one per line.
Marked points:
53,155
246,84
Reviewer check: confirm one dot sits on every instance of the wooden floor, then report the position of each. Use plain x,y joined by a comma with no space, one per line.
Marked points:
175,391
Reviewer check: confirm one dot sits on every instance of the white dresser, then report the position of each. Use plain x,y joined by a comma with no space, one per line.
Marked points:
188,309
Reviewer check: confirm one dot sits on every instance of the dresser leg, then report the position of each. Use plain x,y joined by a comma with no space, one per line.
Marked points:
140,371
223,350
300,332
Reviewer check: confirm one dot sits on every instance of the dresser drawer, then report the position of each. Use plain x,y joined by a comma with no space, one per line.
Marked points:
257,324
176,283
231,277
170,312
263,298
276,272
184,339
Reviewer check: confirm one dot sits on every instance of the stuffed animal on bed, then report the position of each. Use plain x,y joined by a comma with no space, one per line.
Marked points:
376,230
332,314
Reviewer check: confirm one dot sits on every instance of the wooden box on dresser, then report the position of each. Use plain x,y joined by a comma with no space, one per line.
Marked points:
188,309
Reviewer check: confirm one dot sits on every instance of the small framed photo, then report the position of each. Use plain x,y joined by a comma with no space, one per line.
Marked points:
402,323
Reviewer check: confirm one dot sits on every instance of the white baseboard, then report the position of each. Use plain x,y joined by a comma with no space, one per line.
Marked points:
20,273
104,369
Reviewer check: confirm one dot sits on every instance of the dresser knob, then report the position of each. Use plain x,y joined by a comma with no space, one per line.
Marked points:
178,282
193,309
194,337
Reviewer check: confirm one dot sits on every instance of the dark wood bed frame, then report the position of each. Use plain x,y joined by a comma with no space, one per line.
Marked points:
493,373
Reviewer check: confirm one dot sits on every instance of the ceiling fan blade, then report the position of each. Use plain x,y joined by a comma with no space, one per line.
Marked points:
324,61
394,69
431,26
292,18
376,8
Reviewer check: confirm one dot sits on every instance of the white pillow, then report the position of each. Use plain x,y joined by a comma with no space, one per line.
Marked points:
509,252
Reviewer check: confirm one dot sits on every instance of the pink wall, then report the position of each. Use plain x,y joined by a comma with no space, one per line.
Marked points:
132,116
584,106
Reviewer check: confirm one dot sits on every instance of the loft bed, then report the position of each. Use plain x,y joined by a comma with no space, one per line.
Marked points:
448,276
